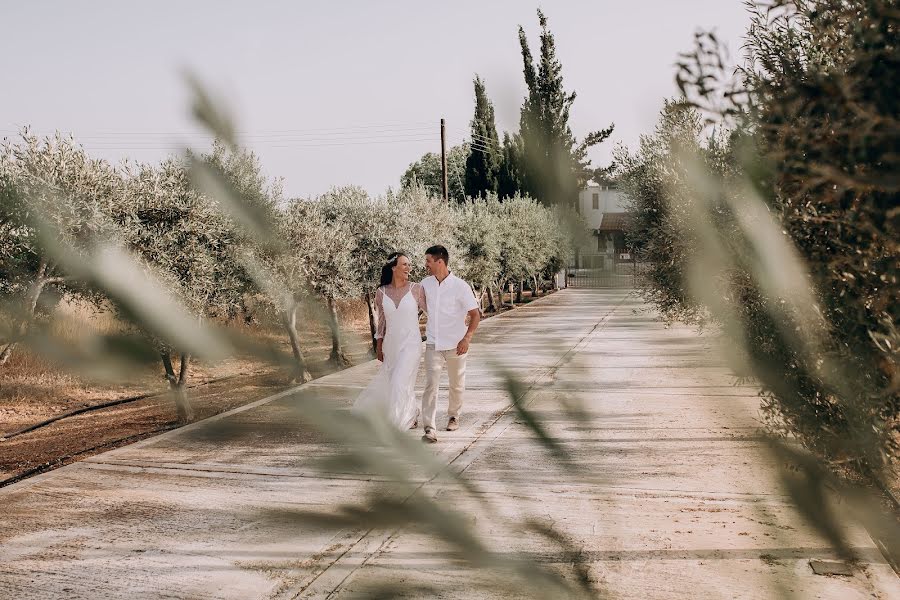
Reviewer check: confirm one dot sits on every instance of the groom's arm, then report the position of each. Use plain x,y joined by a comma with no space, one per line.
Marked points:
474,319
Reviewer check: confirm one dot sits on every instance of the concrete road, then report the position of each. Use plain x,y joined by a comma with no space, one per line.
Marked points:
676,496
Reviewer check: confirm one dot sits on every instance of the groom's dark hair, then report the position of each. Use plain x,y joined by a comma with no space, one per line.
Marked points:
438,252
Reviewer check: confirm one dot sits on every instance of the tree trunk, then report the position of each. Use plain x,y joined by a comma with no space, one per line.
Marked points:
490,297
183,371
372,330
519,291
289,320
177,386
6,353
537,286
479,296
338,357
32,296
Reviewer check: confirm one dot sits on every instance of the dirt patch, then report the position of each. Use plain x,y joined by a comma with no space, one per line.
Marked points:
32,391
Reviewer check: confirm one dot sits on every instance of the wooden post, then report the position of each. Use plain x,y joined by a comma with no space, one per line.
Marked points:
444,162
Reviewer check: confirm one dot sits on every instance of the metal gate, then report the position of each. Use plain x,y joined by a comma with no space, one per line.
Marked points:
625,275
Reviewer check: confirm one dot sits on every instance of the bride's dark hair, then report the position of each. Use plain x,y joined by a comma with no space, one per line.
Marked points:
387,271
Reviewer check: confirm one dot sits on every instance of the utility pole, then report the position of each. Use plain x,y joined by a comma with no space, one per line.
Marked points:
444,163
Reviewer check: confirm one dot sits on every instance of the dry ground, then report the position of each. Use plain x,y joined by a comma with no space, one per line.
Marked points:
32,390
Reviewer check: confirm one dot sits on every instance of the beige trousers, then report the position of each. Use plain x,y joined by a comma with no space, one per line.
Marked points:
456,373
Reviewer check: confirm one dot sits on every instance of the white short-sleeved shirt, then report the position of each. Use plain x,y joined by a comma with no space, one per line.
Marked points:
448,304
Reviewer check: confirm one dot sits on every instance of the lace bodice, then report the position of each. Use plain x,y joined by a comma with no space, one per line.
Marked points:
391,293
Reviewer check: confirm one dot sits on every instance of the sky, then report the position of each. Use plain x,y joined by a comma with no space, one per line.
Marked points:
339,92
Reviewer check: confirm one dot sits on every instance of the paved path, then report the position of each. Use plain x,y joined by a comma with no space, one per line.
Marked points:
679,498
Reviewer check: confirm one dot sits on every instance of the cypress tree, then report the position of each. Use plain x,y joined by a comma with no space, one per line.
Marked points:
555,165
510,177
483,162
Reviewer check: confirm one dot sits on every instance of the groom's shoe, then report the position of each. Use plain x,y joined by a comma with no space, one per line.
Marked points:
453,424
430,436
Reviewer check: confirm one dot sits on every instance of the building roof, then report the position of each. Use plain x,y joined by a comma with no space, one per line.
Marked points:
614,221
607,184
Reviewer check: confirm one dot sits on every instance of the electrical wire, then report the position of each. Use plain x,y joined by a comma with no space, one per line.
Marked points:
387,127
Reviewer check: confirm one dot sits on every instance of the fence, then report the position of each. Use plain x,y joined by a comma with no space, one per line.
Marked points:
625,275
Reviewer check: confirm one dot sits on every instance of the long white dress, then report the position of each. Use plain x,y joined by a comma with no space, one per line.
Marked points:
391,393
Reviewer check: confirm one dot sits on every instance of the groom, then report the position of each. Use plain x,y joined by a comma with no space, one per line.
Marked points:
449,300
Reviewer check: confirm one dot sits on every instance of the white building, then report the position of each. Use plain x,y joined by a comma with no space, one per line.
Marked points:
603,208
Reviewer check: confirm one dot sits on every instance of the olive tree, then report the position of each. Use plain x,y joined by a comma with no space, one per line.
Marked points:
188,243
424,220
47,184
478,229
325,259
271,271
377,227
662,228
526,242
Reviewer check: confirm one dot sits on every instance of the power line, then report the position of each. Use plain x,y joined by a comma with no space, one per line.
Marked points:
482,146
414,132
479,136
479,146
257,137
344,130
297,145
350,137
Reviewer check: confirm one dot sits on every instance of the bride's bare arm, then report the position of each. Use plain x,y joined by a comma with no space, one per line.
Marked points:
381,326
418,293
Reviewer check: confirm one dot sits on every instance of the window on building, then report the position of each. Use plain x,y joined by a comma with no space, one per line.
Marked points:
596,201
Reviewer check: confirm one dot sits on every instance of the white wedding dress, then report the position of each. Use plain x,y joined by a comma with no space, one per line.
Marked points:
391,393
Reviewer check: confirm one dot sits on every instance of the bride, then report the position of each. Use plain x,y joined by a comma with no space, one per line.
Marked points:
391,393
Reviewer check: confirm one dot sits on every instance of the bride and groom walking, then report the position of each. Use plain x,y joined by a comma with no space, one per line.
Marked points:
448,301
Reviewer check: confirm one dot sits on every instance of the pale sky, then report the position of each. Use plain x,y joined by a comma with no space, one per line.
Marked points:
339,92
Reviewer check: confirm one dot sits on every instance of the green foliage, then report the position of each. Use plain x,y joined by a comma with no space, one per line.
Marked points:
511,176
427,172
323,247
477,228
245,175
793,215
483,163
19,254
824,108
554,164
423,220
373,231
51,193
528,238
661,198
182,236
51,180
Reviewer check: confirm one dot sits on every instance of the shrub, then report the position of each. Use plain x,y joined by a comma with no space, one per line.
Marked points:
814,147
